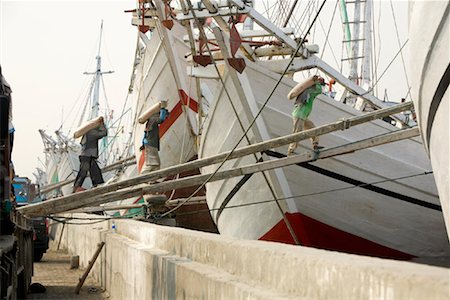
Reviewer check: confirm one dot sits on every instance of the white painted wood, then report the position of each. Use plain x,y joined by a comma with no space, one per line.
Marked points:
264,23
246,34
208,72
429,58
147,22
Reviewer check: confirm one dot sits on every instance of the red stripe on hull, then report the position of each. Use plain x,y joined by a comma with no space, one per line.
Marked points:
188,101
176,111
313,233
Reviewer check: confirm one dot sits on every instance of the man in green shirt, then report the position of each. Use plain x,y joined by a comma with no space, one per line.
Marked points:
302,109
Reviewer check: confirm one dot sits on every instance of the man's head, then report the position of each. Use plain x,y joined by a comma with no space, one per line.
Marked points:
319,79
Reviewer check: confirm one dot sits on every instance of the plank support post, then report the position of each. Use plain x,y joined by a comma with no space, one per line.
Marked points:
91,264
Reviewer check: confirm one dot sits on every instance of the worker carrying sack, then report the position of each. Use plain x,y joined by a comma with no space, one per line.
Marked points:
302,86
89,125
151,111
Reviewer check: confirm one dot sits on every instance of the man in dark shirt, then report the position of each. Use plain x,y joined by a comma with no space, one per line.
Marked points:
151,140
89,155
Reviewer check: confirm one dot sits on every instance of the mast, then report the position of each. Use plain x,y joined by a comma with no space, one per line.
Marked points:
354,42
365,73
353,76
97,78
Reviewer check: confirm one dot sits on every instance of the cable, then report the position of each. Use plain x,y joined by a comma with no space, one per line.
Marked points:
311,194
384,72
328,35
403,59
235,112
253,121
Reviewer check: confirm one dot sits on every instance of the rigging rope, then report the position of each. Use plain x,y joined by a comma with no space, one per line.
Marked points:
239,121
328,35
378,55
384,72
86,103
401,53
254,119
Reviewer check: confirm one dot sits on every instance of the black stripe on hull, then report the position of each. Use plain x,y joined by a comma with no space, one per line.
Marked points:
233,192
437,99
360,184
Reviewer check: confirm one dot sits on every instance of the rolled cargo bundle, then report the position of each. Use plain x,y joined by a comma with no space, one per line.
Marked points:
89,125
301,87
149,112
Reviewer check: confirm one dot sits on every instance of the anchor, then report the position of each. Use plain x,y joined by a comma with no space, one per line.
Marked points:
237,63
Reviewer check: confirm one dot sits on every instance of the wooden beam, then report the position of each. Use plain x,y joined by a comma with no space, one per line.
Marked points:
222,12
313,61
243,151
192,200
117,165
266,24
245,34
66,203
91,264
209,6
105,208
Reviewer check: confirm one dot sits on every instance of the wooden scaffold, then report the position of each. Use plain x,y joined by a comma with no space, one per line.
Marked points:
140,185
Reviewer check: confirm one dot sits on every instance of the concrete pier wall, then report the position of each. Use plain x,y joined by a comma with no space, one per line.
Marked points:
146,261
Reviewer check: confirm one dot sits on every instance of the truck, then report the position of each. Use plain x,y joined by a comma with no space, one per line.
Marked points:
25,193
16,232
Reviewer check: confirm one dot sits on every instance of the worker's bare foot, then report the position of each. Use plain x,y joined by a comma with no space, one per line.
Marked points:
78,189
317,147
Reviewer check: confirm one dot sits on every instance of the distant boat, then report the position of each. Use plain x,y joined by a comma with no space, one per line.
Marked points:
62,155
430,72
378,201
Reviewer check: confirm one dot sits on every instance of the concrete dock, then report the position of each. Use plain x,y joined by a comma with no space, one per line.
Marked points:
54,273
146,261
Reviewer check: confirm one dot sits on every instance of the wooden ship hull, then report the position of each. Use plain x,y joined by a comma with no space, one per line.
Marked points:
380,201
430,72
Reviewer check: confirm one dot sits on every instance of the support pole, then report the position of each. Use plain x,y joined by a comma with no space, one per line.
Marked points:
60,235
91,264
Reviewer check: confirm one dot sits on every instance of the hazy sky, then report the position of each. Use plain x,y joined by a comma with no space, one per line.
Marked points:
46,46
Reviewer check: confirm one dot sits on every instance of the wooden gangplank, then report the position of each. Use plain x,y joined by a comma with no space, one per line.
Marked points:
127,188
117,165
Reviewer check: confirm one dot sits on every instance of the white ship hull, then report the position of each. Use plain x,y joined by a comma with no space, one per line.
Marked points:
51,163
430,74
396,218
399,217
